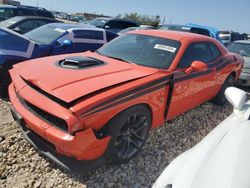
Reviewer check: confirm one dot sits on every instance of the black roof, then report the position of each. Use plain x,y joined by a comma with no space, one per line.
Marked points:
117,19
33,17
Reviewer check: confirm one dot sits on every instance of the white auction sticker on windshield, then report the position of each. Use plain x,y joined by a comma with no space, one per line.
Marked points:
165,47
60,30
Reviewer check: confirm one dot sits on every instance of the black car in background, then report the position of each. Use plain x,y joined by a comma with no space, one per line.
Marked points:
24,24
113,24
9,11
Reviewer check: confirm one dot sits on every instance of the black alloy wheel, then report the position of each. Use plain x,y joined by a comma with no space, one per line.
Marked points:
129,133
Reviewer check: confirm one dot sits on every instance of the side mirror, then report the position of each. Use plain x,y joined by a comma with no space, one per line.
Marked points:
197,66
107,27
236,97
67,42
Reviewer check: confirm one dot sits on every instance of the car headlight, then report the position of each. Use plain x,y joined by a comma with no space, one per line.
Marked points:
245,70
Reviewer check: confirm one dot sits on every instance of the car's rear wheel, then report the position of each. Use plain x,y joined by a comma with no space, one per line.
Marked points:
129,131
220,98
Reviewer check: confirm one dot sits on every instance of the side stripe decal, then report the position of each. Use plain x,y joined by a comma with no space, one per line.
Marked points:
152,86
129,98
138,89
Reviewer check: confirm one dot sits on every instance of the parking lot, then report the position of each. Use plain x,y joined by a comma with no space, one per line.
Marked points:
90,83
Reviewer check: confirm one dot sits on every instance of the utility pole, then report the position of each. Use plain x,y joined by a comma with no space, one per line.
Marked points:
37,4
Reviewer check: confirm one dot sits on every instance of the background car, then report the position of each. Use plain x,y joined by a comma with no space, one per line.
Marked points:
113,24
24,24
193,28
9,11
242,47
230,36
50,39
101,105
221,159
133,28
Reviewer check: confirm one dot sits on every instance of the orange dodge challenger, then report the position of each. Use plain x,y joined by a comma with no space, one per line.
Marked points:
99,106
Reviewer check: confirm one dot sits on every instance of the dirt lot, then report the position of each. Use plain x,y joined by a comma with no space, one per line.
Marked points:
22,166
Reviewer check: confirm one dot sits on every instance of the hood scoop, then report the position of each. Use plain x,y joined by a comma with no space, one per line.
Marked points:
79,62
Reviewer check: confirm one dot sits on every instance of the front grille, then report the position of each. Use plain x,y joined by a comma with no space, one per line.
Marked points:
45,116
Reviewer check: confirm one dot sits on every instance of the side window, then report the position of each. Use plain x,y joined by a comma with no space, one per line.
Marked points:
24,27
196,52
214,51
2,10
39,23
88,34
9,13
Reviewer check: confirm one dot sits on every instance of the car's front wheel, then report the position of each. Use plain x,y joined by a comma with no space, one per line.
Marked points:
129,131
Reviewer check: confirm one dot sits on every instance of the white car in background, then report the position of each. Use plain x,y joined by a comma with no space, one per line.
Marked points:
221,159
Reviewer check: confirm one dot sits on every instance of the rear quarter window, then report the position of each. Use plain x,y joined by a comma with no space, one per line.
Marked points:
215,52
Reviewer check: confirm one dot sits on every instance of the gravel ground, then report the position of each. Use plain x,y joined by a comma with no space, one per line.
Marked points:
22,166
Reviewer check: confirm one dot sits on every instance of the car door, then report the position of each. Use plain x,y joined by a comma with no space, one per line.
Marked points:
192,89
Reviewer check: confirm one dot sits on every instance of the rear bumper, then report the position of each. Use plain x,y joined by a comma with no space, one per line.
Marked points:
64,148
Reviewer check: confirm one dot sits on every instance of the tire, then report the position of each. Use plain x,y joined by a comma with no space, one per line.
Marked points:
5,78
220,98
5,81
129,131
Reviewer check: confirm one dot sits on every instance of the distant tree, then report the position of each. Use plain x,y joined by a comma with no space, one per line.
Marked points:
141,19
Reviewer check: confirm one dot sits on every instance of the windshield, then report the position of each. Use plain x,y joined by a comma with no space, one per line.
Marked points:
98,22
240,48
9,22
46,34
142,50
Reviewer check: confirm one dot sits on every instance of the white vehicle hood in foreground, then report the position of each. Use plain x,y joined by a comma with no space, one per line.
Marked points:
220,160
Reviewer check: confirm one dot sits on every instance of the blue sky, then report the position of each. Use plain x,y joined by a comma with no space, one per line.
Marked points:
222,14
